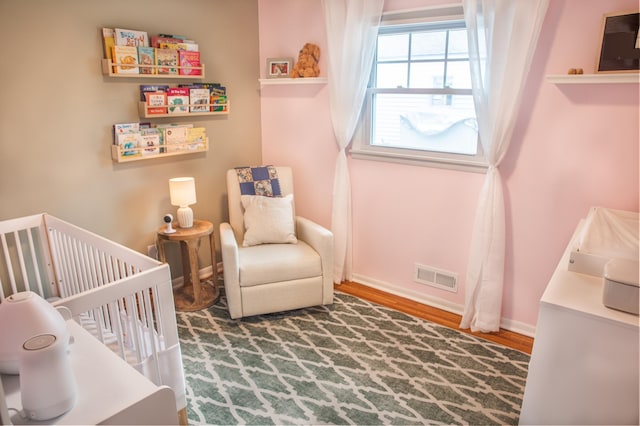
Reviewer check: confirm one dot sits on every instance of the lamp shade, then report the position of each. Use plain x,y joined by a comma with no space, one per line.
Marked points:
182,191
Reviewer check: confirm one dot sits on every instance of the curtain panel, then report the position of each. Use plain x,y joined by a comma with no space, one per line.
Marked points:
502,35
352,29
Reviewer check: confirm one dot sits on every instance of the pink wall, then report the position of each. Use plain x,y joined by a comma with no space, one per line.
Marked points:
574,146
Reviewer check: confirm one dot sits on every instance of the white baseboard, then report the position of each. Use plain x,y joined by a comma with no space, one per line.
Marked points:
436,302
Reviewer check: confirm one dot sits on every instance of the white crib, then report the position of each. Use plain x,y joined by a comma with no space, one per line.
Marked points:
122,297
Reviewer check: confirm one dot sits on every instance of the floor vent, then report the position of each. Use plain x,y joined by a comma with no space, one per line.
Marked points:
438,278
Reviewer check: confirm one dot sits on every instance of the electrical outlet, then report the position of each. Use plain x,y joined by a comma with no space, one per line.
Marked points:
152,251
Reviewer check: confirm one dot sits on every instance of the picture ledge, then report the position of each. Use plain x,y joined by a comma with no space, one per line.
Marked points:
594,78
288,80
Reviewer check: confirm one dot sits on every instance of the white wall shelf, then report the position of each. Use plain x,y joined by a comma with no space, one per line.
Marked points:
594,78
286,81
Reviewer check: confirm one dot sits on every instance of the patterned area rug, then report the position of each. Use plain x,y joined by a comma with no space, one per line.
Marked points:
354,362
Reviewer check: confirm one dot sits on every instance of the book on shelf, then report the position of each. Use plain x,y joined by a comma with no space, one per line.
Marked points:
130,144
175,138
161,38
196,138
122,128
156,102
167,61
150,138
218,90
146,88
178,100
218,103
147,56
189,58
125,59
199,99
180,37
214,88
193,47
124,37
108,41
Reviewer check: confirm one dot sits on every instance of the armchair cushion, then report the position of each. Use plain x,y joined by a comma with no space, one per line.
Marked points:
271,263
268,220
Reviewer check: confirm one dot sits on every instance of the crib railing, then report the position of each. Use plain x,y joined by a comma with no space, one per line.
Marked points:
25,261
122,297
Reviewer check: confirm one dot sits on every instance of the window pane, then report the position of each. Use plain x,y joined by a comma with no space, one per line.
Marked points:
428,45
393,47
391,76
427,75
441,123
458,47
458,75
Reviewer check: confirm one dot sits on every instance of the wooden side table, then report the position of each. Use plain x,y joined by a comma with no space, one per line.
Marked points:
194,294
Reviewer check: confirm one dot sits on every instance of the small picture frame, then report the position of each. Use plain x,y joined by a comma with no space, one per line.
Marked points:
619,43
279,67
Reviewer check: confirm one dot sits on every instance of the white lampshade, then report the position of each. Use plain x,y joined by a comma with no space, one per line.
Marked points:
182,191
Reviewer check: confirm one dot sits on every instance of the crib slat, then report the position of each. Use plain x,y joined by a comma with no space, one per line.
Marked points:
114,315
134,328
34,258
7,256
56,252
23,268
153,333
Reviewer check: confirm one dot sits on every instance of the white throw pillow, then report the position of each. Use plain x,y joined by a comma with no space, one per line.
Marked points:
268,220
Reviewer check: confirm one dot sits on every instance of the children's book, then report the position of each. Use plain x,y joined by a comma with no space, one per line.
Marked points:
196,138
134,38
146,88
175,138
150,141
147,56
218,103
108,42
167,61
199,100
178,100
157,39
180,46
156,102
126,59
188,59
122,128
130,143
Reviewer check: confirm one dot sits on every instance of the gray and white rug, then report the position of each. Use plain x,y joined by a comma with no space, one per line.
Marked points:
354,362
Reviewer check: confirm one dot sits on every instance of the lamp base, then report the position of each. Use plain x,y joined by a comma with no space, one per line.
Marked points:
185,217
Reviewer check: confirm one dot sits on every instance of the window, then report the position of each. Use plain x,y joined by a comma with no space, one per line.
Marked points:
419,106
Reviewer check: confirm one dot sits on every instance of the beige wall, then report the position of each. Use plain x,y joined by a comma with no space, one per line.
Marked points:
57,112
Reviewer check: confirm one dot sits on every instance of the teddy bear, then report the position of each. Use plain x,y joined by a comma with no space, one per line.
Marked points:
307,64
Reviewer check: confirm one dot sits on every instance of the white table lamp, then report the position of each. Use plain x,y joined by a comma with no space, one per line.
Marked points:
183,193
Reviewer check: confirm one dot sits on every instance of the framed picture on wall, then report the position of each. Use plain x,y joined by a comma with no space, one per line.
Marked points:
619,43
279,67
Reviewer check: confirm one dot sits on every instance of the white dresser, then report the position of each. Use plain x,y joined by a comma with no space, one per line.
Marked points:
584,363
109,391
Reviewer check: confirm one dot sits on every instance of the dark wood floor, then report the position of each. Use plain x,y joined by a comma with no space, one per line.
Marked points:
448,319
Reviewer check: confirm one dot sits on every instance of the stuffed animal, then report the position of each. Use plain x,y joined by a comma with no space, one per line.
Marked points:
307,64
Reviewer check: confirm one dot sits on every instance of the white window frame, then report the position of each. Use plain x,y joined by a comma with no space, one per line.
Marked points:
361,147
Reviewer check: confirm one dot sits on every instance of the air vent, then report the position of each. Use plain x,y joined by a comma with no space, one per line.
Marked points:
438,278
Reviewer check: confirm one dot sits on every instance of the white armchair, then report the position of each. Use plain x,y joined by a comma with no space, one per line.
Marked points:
274,277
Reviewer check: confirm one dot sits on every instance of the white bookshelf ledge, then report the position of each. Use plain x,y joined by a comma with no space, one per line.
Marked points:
285,81
594,78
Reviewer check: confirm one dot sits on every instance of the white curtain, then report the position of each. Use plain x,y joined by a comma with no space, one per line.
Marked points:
352,28
503,35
